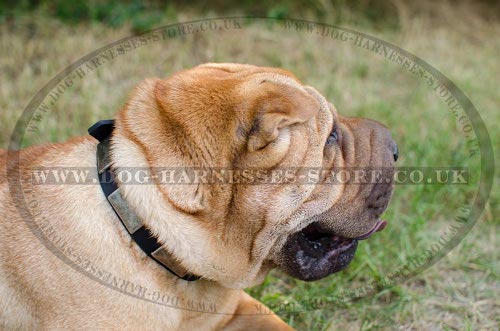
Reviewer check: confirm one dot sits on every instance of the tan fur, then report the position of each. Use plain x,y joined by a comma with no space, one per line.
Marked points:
215,115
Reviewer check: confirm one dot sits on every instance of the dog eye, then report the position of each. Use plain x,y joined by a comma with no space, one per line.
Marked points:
333,137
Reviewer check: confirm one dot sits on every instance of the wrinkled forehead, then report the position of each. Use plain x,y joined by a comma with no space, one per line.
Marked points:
233,73
248,76
329,112
229,75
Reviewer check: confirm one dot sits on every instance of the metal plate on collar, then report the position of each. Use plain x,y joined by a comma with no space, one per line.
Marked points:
127,216
103,157
168,260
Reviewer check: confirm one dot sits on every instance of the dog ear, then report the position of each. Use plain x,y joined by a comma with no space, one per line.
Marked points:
277,105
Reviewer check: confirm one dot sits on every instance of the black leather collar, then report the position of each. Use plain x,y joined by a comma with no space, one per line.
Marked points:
102,131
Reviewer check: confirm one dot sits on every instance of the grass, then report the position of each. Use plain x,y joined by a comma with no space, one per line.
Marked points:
461,291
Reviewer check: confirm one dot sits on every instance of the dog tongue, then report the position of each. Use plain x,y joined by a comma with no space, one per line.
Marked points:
379,226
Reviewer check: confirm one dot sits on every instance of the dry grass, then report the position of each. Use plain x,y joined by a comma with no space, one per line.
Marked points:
461,291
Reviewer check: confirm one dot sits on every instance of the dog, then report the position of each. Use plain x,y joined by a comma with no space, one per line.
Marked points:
108,255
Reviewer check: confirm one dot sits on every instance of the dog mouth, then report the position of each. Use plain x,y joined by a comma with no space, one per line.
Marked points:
314,253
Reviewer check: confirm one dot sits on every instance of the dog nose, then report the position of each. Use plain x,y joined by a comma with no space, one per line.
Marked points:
395,152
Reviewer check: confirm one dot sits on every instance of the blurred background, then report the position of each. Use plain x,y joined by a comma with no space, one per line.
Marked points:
460,38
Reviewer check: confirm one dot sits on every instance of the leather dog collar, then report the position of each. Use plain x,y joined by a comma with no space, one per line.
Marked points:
102,131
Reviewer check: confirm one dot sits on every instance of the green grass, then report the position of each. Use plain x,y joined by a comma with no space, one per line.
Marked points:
458,293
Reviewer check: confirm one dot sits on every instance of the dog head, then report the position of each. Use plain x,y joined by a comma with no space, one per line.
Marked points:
259,125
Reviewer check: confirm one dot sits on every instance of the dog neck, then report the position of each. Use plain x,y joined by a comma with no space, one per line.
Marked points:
143,237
